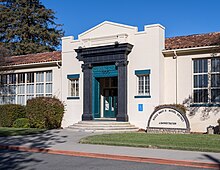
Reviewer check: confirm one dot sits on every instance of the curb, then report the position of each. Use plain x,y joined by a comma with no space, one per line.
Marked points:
116,157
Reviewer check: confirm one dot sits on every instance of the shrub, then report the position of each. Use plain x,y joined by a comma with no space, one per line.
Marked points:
178,106
21,123
45,112
9,113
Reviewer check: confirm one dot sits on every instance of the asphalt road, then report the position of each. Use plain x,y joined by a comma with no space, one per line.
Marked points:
16,160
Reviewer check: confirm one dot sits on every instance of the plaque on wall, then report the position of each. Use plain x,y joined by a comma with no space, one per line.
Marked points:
168,119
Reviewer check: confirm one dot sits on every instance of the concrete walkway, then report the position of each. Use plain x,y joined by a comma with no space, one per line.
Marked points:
66,142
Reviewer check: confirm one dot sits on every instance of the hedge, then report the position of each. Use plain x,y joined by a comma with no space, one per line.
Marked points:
9,113
45,112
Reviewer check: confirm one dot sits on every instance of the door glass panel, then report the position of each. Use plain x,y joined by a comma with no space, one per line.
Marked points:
106,103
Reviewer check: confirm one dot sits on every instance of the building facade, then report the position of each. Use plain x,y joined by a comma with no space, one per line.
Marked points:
116,72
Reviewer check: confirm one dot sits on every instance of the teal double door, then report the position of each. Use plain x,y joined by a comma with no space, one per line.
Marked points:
109,96
104,87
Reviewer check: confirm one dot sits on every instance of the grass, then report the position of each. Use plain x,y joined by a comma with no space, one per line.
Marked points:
5,131
193,142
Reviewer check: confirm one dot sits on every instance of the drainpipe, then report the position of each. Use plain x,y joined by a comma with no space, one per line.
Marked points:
175,57
60,71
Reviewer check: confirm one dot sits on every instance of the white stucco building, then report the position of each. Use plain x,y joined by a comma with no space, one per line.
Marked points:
115,71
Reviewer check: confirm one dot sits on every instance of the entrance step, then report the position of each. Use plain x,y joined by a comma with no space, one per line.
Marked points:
103,126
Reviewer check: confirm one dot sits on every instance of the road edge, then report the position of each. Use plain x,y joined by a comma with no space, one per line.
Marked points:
185,163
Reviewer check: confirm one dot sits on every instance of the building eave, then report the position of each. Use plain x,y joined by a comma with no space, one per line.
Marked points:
33,65
191,51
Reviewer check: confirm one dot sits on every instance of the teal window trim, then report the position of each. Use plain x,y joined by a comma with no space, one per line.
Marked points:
73,76
142,72
73,97
146,76
142,96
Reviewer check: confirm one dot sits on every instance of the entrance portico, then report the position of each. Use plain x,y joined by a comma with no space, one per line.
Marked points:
105,64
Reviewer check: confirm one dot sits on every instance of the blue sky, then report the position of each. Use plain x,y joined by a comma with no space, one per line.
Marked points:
180,17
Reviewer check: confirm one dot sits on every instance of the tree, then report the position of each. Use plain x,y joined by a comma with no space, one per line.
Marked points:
26,26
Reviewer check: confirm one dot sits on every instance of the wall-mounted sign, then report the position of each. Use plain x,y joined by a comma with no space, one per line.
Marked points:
168,117
140,107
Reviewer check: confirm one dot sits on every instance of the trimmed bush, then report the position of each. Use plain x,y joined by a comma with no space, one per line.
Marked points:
45,112
9,113
21,123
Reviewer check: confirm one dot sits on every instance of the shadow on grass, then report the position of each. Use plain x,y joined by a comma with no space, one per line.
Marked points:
19,159
19,131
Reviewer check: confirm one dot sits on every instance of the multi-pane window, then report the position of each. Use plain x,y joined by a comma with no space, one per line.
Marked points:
74,87
30,85
18,88
48,89
144,85
39,84
21,89
206,87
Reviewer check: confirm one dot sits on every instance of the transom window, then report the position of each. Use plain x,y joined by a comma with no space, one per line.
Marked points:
206,86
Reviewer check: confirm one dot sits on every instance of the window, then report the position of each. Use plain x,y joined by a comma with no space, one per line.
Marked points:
73,86
18,88
21,89
206,86
143,83
39,84
30,86
48,89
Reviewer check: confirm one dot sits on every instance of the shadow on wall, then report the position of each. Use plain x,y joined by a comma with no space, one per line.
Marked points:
203,111
20,160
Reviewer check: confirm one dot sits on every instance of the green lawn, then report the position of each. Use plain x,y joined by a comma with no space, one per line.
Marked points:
4,131
193,142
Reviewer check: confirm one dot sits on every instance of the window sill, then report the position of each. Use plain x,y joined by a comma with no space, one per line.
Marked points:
142,96
73,97
205,105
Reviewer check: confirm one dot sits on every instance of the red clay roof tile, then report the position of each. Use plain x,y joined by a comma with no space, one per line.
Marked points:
191,41
34,58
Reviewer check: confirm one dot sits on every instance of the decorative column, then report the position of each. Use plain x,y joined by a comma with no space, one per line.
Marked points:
87,92
122,91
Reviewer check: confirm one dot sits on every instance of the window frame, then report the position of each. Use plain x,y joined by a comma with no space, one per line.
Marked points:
209,86
23,94
73,80
146,74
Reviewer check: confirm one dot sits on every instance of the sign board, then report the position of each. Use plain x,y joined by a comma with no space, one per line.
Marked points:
168,118
140,107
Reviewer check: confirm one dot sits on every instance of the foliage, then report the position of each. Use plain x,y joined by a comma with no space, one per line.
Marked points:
27,26
9,113
192,142
45,112
5,131
21,123
177,106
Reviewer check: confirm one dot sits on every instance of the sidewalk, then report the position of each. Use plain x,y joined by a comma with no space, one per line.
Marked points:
66,142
